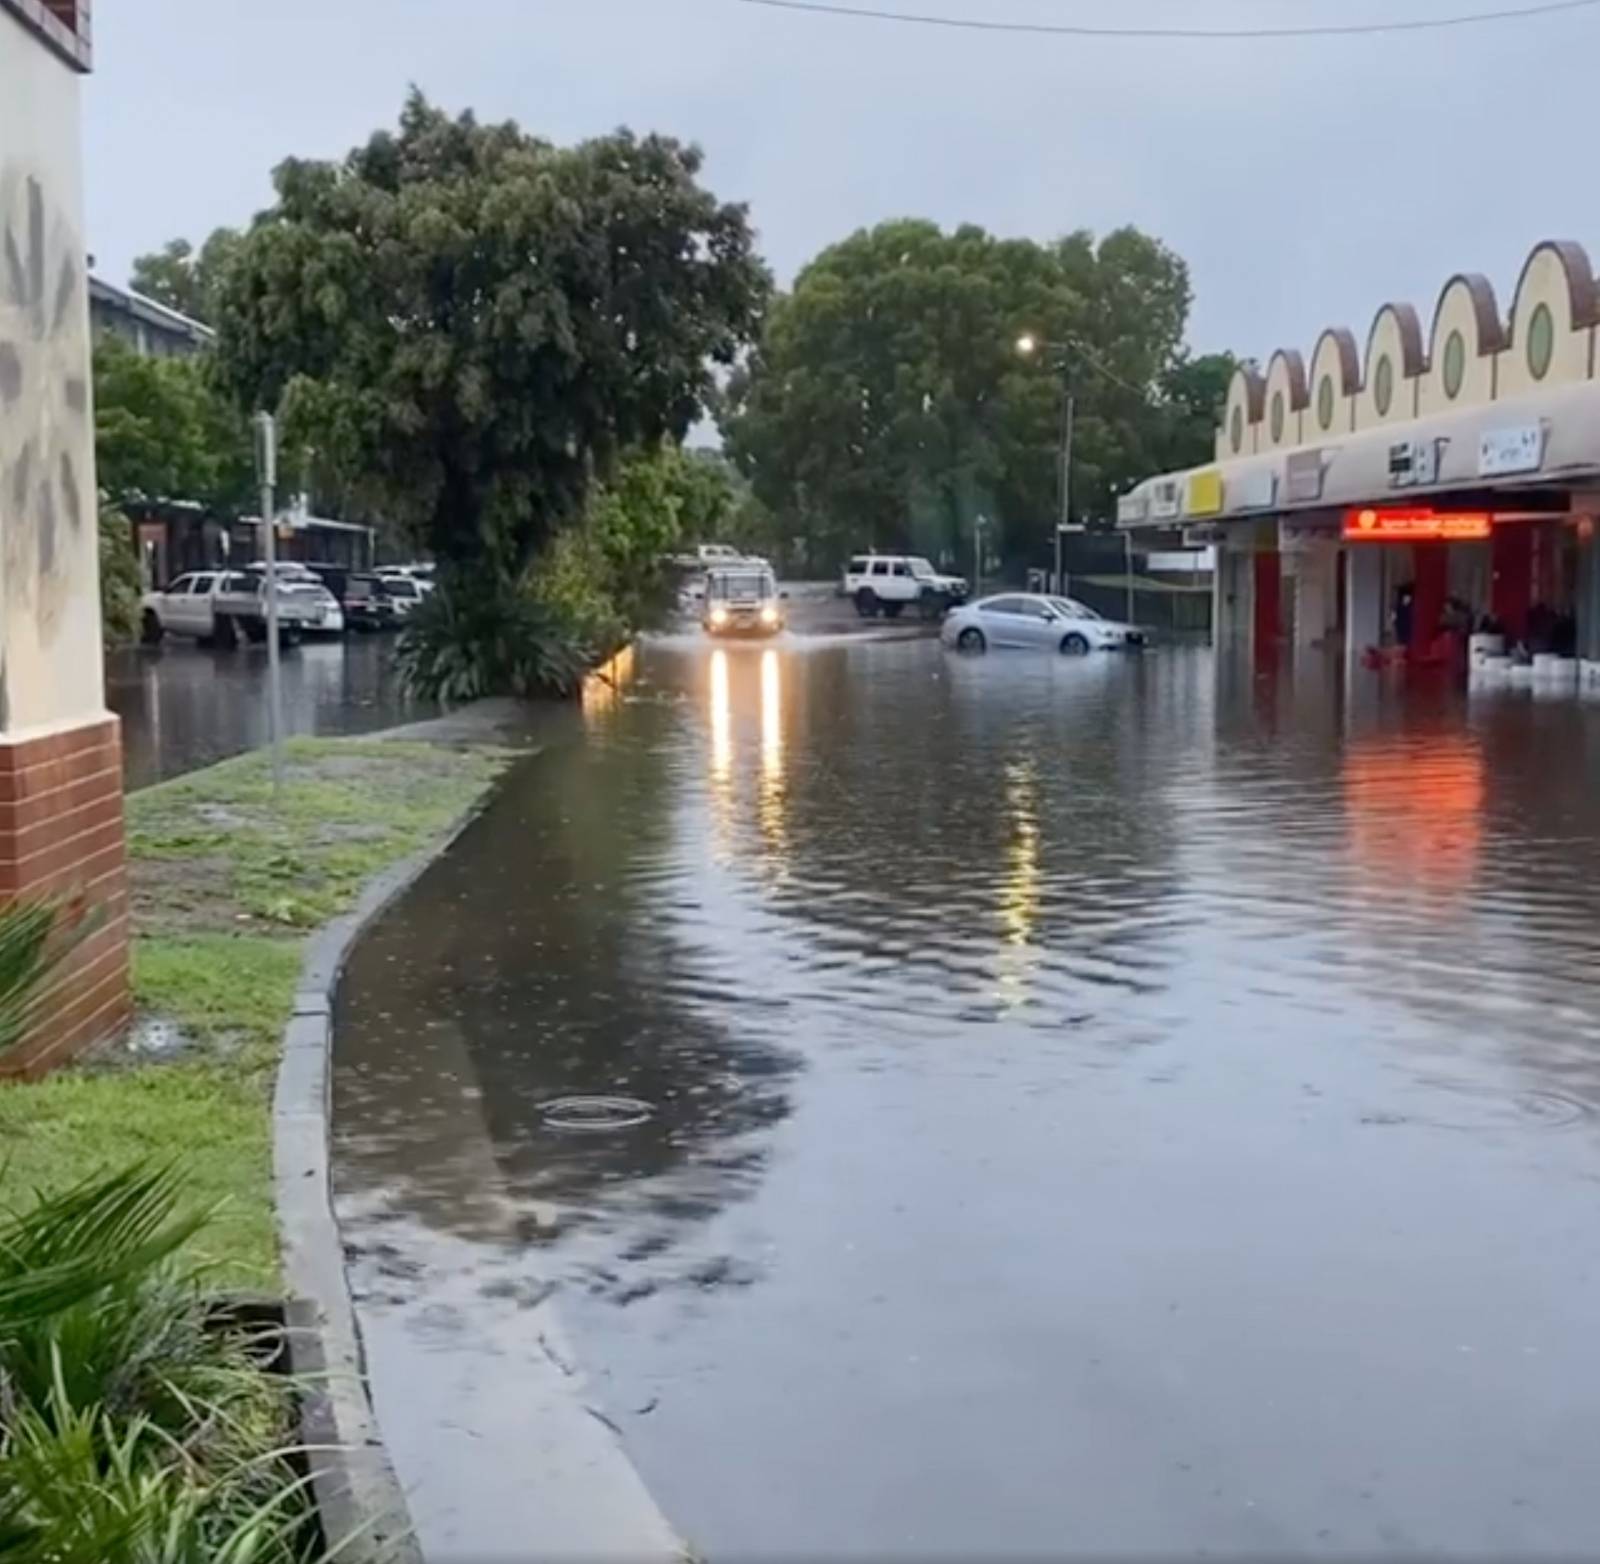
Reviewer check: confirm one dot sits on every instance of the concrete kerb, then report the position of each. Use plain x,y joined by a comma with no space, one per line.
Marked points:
359,1497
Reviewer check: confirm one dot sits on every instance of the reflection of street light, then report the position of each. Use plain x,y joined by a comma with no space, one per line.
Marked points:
1027,344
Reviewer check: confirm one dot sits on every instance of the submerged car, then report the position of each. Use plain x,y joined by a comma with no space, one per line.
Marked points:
1024,620
742,600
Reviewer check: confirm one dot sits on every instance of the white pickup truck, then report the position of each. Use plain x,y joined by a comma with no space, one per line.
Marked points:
218,606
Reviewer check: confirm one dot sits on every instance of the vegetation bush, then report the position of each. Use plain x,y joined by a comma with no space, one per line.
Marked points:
120,586
133,1428
471,639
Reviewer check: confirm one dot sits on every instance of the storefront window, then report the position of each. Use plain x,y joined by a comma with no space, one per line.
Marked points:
1455,364
1541,342
1383,386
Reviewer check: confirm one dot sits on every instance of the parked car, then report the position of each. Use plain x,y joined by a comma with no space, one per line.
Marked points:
888,584
403,592
421,575
367,606
742,600
217,606
1037,623
308,582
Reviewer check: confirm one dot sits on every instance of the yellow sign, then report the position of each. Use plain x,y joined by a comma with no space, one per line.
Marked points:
1205,494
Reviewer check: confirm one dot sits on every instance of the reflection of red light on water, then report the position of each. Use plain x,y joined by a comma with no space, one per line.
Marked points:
1416,810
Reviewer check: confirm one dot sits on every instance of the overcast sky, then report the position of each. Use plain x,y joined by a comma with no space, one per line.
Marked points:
1304,182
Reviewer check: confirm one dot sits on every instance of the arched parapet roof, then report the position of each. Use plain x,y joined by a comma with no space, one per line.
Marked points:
1470,354
1241,417
1285,394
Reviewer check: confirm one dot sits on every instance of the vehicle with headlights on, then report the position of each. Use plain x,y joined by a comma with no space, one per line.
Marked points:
742,600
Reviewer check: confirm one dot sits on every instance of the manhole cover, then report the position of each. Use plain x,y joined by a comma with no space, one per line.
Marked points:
595,1113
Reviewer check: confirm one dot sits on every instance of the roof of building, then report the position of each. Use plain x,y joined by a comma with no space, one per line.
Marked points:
1478,402
150,312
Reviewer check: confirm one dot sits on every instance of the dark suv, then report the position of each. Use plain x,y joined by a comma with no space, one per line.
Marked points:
367,606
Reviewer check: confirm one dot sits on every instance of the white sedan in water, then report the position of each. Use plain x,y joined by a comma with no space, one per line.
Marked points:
1027,621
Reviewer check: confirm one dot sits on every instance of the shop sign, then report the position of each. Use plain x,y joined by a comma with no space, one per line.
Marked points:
1505,451
1205,494
1132,507
1370,525
1254,491
1207,535
1164,497
1302,477
1413,462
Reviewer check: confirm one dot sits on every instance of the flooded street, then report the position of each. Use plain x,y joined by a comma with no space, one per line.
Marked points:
1084,1106
184,706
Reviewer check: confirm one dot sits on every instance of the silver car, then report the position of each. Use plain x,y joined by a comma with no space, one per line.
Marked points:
1024,620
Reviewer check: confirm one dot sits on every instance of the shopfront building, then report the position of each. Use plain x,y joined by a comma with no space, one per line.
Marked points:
1388,505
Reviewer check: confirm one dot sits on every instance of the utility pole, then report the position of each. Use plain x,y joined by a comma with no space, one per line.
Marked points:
1064,523
267,472
978,525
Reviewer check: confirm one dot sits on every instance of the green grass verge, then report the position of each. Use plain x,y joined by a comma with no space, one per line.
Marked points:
224,883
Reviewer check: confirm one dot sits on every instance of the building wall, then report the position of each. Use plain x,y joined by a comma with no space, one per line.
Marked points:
50,644
61,825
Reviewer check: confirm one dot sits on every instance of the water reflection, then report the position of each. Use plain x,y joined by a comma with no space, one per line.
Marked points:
1065,1074
183,706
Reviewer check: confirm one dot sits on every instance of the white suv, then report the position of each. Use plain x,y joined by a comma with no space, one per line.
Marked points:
886,583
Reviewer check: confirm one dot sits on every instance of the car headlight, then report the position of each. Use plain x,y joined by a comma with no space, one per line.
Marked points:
719,616
769,614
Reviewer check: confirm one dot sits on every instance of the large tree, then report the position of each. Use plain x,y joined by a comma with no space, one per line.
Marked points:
887,403
476,322
164,432
185,279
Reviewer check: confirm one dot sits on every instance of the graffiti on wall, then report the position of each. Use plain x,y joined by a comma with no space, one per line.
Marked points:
45,474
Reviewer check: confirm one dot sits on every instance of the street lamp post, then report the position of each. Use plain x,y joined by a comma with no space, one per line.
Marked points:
1028,345
266,429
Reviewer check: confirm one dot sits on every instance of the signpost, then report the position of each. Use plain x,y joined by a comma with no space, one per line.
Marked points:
266,429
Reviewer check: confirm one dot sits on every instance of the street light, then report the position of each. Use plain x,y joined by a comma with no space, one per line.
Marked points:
1028,345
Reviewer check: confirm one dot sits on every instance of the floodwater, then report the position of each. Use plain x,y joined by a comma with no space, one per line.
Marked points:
183,706
1094,1107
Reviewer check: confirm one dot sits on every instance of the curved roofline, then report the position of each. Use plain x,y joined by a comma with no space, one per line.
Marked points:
1413,361
1582,297
1299,395
1492,334
1349,357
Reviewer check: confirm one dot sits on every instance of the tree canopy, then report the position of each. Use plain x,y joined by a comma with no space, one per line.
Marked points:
888,404
478,322
184,279
164,432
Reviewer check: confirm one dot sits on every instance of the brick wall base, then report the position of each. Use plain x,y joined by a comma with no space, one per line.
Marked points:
61,835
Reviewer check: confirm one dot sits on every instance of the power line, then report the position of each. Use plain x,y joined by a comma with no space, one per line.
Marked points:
1069,30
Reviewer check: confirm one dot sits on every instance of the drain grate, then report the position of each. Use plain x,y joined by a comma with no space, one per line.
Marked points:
596,1113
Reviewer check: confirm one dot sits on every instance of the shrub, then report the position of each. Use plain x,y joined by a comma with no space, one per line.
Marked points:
469,640
133,1430
120,585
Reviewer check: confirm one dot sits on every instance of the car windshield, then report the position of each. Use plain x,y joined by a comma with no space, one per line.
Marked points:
921,569
1072,608
741,587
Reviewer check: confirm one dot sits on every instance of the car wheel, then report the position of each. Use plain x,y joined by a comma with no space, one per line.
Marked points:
150,631
867,603
255,632
1074,645
893,610
972,640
